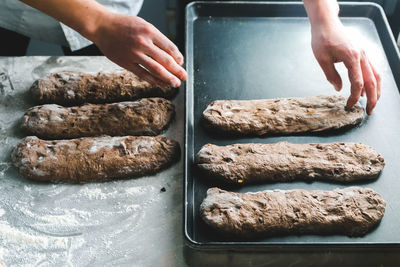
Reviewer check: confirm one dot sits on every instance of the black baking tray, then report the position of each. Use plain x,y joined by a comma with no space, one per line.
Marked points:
259,50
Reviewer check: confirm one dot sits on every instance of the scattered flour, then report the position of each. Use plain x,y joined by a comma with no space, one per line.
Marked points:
45,233
138,190
53,107
107,244
2,212
67,219
38,172
27,188
81,213
70,93
3,253
106,142
95,193
142,146
22,238
132,208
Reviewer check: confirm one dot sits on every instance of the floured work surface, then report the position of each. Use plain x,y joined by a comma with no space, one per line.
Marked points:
110,223
237,52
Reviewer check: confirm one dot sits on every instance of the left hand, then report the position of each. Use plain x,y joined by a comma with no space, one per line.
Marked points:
331,44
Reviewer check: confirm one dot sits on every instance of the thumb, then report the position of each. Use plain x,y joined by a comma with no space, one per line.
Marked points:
331,74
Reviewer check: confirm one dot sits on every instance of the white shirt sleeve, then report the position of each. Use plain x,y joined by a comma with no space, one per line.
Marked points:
74,39
19,17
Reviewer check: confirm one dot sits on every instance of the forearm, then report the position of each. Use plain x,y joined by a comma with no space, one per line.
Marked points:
322,12
129,41
83,16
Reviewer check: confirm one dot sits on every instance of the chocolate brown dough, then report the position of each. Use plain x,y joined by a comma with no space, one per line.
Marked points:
94,158
352,211
70,88
283,161
148,116
281,116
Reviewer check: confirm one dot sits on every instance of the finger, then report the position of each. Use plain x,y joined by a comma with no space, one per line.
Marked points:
363,92
356,79
331,73
167,62
370,84
159,71
165,44
377,78
145,75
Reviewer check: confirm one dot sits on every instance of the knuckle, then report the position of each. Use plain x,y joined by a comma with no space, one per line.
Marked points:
182,73
148,29
324,60
354,54
370,84
358,84
140,20
171,48
135,53
175,82
157,69
169,62
140,40
378,77
329,44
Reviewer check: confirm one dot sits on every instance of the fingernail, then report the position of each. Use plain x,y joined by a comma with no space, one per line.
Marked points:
369,111
348,105
176,83
337,88
183,75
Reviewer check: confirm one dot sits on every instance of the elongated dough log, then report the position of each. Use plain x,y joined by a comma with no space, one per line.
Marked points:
283,161
147,116
94,158
352,211
281,116
70,88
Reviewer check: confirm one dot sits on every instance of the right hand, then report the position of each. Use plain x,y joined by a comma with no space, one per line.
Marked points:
139,47
331,44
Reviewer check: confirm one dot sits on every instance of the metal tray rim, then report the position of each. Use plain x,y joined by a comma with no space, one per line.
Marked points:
252,245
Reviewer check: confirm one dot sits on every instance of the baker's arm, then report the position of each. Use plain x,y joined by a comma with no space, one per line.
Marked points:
129,41
331,44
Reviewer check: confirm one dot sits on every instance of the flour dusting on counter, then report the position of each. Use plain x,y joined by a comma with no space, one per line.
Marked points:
94,224
12,235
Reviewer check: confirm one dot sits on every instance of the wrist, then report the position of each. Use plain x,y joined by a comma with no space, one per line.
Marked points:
322,13
95,23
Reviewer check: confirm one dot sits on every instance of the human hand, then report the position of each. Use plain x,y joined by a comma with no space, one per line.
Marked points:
331,44
139,47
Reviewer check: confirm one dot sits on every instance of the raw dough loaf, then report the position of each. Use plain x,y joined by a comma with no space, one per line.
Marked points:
352,211
148,116
94,158
70,88
281,116
283,161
